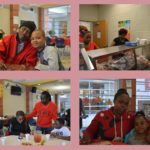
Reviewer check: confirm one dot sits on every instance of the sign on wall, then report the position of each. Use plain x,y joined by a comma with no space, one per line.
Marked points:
126,24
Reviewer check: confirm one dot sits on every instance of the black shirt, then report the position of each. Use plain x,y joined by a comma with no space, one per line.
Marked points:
120,41
16,128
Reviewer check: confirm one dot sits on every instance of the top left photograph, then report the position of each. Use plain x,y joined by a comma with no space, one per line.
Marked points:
35,37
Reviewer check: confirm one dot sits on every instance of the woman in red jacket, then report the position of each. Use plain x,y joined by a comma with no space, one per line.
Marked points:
111,124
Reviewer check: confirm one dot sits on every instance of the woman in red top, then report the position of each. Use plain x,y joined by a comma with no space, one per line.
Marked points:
82,31
111,124
46,111
88,44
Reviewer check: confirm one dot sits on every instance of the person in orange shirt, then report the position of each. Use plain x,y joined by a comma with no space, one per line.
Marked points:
46,111
88,43
82,31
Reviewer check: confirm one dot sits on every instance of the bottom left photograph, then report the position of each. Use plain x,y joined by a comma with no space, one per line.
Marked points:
35,112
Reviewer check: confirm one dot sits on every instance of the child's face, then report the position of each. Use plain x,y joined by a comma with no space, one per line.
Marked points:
141,124
20,119
37,39
57,125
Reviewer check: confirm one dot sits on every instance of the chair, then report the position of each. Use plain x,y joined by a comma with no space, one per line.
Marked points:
60,44
49,42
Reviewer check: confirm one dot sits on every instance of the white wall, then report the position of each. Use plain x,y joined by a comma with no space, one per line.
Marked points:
89,12
138,14
12,103
29,15
5,19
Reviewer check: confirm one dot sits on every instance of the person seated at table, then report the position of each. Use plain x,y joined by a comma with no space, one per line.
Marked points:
121,39
60,130
47,55
16,51
112,124
88,43
82,31
1,33
138,136
19,125
46,111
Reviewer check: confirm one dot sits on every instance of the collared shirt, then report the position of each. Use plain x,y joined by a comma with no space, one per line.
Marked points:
40,56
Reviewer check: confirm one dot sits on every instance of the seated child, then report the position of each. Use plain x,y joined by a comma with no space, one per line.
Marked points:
47,55
138,136
61,131
18,125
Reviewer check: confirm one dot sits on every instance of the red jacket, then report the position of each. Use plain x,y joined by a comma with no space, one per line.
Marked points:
45,114
102,126
28,56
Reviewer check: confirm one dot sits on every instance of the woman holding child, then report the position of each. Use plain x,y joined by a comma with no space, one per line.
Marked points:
112,124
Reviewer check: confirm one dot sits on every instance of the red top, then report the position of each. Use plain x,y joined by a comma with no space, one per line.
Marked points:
80,39
45,114
102,126
8,46
92,45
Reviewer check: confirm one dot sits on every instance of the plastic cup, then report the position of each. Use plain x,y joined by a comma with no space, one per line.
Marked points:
47,137
3,141
27,137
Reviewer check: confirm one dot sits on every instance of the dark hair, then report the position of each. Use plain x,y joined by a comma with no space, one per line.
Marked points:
20,113
140,114
120,92
123,31
47,95
61,121
29,24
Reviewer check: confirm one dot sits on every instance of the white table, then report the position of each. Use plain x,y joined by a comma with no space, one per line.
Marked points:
13,140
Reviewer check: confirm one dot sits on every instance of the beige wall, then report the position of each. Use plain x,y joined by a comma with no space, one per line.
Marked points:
5,20
12,103
88,12
138,14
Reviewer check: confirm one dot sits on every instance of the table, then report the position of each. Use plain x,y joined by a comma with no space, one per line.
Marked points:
104,53
13,140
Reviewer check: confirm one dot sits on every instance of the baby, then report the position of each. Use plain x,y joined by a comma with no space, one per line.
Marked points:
138,136
47,55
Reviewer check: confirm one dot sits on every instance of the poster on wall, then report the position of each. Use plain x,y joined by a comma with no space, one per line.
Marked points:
126,24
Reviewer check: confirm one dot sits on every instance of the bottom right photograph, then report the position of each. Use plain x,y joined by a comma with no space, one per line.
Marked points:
114,111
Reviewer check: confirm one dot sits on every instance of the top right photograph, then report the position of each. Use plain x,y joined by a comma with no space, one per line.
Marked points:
114,37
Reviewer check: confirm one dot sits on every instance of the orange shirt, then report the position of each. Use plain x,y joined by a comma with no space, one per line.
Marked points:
92,45
45,114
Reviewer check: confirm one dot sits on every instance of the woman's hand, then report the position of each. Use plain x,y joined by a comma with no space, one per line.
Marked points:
86,140
3,66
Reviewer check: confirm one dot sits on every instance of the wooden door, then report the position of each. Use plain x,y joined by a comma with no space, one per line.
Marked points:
100,33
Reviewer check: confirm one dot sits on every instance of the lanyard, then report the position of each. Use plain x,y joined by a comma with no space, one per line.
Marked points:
115,127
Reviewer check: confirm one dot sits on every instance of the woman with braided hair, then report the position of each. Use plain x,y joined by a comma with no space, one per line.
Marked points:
112,124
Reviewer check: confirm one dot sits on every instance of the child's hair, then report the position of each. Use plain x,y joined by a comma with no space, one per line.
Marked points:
139,114
61,121
20,113
120,92
42,31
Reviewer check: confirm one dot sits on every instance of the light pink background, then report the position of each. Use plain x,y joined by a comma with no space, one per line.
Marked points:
75,75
